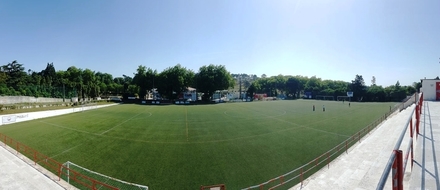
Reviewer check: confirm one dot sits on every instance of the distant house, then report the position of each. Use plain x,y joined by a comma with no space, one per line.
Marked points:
190,94
153,95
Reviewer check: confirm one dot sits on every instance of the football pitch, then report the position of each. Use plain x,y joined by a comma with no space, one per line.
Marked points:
183,147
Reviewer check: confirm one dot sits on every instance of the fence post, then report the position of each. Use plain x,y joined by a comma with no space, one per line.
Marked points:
412,154
302,177
397,171
68,172
328,159
417,119
59,171
35,158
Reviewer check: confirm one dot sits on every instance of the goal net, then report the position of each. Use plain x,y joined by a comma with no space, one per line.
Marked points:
70,177
341,98
321,97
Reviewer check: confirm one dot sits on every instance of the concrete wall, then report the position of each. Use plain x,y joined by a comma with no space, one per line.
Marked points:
6,100
429,89
20,117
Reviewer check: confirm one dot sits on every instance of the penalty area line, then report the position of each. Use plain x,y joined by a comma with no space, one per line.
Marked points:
65,151
120,124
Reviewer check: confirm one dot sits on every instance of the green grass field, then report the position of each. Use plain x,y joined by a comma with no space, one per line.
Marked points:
183,147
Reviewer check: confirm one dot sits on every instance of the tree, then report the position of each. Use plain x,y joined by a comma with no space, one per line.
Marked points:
105,83
91,89
127,81
144,79
397,92
410,90
313,85
358,87
211,78
74,77
417,86
292,87
376,94
49,74
279,83
253,88
118,87
15,73
3,77
174,80
373,81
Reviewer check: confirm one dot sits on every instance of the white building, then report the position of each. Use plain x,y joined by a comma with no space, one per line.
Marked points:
190,94
431,89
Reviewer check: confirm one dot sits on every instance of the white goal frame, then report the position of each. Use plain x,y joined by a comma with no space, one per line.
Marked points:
345,98
323,97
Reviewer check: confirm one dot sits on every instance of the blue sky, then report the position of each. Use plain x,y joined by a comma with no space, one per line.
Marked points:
391,40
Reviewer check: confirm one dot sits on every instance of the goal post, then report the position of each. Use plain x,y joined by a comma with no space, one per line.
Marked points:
341,98
213,187
323,97
73,169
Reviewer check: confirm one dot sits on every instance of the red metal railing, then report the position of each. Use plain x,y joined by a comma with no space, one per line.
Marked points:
396,163
53,166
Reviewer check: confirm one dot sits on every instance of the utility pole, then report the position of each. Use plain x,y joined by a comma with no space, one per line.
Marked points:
64,93
239,82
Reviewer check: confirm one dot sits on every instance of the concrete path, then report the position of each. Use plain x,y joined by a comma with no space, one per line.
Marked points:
18,172
365,162
425,174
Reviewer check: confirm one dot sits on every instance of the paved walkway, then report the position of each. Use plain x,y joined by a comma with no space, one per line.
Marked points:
425,174
365,162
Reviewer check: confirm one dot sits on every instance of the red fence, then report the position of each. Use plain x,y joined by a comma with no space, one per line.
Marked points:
298,175
396,163
53,166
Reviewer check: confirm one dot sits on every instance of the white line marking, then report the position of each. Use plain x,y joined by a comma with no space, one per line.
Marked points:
68,128
120,123
65,151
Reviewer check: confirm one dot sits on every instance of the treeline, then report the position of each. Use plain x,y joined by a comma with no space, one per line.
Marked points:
85,83
296,86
